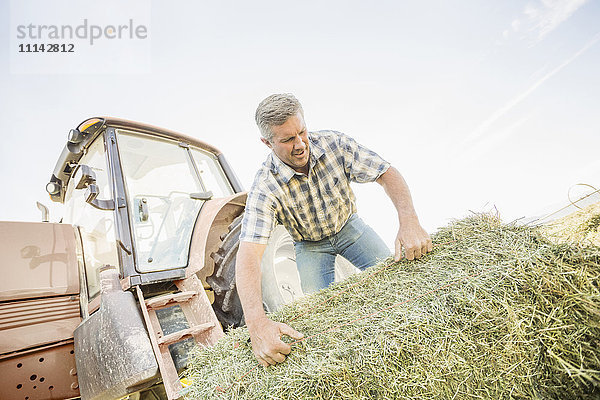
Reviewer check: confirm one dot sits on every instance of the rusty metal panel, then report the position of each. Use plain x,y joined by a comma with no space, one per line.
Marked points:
37,259
46,373
31,323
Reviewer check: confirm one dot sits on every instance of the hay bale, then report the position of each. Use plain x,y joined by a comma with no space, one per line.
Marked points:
580,227
521,320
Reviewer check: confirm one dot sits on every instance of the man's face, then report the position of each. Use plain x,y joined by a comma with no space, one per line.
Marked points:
290,143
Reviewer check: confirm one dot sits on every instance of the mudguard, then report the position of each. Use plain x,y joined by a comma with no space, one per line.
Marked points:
213,221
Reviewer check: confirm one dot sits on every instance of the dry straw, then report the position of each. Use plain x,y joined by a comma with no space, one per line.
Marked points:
526,325
580,227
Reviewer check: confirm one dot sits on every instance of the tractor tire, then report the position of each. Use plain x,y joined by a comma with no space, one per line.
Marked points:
280,280
279,257
227,304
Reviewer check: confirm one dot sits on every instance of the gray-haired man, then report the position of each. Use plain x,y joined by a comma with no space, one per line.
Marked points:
305,185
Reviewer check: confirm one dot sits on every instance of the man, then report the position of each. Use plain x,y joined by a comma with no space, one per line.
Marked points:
305,185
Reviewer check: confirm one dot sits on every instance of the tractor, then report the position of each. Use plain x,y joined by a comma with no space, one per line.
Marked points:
108,303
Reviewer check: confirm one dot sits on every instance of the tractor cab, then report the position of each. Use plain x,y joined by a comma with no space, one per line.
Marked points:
135,192
148,207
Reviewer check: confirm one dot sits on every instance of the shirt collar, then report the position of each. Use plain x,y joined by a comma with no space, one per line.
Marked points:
286,172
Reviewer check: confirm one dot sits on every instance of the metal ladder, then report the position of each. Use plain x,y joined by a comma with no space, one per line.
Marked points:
203,326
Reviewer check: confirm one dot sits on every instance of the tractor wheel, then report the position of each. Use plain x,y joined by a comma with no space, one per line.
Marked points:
280,280
227,304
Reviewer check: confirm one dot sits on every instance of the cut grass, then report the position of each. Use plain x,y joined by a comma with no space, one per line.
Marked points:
519,319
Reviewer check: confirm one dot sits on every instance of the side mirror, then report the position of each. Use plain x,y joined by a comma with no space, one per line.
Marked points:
86,179
84,176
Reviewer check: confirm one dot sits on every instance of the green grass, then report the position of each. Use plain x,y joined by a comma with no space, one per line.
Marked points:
520,319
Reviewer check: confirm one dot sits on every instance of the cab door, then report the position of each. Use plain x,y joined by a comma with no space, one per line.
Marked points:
96,227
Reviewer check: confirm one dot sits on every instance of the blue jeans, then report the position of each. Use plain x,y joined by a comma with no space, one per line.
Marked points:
356,241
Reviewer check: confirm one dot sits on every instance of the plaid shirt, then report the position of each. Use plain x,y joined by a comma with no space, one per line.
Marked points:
310,207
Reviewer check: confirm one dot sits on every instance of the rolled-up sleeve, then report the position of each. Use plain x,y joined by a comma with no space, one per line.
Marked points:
259,218
360,163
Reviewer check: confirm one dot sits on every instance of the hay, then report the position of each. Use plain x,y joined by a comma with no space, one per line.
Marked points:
580,227
525,325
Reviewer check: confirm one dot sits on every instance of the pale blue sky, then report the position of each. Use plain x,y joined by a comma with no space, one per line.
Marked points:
476,103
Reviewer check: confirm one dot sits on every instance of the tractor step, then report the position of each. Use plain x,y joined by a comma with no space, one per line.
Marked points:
202,321
180,335
168,299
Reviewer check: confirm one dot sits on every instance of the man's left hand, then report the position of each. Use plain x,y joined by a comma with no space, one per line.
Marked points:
415,241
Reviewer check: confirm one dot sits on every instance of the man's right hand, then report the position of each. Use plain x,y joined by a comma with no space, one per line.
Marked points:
267,345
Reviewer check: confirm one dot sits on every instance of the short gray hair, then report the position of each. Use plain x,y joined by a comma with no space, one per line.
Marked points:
274,111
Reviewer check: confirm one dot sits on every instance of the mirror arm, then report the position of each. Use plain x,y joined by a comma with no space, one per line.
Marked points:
91,195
